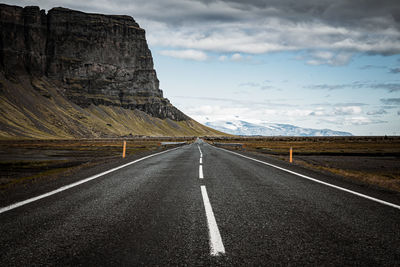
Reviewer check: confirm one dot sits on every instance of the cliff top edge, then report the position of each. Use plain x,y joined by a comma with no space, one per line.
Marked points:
68,10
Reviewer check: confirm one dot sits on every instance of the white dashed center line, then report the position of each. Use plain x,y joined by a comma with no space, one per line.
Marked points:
201,153
216,246
201,166
201,172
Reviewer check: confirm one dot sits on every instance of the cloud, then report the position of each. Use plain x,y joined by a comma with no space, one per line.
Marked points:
267,87
398,112
237,57
367,67
214,112
389,107
343,114
349,110
185,54
391,101
331,30
250,84
337,31
329,58
350,104
327,86
319,113
222,58
377,112
222,108
204,113
390,87
329,110
394,70
239,103
359,120
262,86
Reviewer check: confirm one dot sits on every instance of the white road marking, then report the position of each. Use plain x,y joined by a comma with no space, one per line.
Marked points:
201,153
318,181
201,172
63,188
201,160
216,246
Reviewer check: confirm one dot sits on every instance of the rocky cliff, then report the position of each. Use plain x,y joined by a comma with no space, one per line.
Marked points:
70,69
93,59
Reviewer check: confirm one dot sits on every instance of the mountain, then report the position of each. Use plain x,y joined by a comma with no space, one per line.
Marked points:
70,74
269,129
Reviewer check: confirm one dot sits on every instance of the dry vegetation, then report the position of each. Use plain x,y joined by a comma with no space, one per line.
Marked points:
26,161
35,109
374,160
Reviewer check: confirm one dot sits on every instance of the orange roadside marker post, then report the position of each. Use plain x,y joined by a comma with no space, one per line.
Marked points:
291,155
124,150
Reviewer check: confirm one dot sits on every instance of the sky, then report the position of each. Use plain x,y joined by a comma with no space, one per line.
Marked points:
311,63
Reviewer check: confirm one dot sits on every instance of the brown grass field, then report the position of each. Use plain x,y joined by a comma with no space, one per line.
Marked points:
26,161
373,160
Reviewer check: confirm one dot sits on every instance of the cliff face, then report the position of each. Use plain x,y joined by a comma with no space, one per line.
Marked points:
91,59
69,74
22,40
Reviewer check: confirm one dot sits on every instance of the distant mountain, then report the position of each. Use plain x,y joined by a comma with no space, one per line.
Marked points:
270,129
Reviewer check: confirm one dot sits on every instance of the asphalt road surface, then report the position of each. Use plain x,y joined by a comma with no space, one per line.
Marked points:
199,205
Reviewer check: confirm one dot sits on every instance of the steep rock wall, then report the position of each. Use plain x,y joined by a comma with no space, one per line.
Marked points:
93,59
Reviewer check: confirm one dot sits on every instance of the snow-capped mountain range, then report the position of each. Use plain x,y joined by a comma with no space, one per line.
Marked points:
240,127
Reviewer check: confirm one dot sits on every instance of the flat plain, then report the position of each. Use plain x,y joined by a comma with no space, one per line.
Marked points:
370,160
24,162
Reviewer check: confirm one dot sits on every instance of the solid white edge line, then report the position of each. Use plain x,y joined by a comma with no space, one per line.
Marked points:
201,160
318,181
63,188
216,246
201,172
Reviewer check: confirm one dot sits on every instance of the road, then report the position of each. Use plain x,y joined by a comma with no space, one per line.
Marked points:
223,209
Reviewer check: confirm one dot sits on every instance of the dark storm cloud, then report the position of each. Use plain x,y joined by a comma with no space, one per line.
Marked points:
360,13
331,30
370,14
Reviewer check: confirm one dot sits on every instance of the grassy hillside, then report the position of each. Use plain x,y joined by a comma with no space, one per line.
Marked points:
35,108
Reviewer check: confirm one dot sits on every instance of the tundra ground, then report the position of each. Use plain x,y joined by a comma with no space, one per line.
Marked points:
370,160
